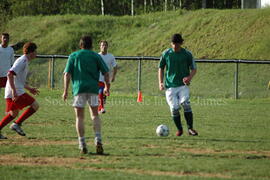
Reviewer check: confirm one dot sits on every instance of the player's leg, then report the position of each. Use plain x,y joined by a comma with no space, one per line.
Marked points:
22,102
78,104
79,112
11,113
185,102
28,112
93,107
101,108
173,101
3,82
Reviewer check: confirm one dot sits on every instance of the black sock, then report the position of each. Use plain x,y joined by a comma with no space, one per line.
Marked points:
189,119
177,122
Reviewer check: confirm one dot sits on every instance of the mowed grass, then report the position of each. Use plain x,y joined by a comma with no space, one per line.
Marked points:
233,141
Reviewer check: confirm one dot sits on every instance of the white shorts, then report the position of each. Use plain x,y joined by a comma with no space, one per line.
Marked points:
81,99
176,96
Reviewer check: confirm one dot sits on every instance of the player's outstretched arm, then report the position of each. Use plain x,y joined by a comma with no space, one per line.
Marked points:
32,90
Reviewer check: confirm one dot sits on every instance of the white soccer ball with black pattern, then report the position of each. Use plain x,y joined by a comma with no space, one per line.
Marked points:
162,130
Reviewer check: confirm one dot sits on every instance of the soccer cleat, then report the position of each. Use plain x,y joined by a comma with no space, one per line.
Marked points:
102,111
179,133
17,128
83,148
99,148
192,132
2,137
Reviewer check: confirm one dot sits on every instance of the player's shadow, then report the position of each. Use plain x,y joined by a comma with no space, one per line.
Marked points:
182,138
137,138
194,138
95,154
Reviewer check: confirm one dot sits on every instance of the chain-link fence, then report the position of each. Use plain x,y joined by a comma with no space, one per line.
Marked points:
214,78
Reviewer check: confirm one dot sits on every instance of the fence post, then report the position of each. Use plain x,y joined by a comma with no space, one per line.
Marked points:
236,74
52,72
139,99
49,74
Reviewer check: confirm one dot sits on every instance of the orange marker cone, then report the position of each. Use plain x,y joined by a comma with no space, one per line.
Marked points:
139,99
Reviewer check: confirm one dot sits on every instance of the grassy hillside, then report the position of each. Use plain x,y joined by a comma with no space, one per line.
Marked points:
220,34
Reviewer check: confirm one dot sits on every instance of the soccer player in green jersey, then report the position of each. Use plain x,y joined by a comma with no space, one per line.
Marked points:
83,68
180,69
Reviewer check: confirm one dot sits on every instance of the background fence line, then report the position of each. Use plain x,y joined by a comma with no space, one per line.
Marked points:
51,66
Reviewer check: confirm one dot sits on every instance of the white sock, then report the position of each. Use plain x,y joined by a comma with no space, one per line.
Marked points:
97,138
81,141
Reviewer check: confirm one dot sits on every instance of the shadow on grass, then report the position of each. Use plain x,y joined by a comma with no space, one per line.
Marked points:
185,138
197,138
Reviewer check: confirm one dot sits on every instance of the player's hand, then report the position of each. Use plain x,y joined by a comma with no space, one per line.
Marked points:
113,79
106,91
65,96
186,80
161,86
14,96
34,91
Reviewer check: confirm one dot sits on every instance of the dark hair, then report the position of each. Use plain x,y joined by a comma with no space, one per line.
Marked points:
104,41
5,34
177,38
86,42
29,47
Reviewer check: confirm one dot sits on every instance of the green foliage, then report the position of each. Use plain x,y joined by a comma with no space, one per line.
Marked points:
114,7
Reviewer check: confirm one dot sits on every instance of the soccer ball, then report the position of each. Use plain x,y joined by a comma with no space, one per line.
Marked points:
162,130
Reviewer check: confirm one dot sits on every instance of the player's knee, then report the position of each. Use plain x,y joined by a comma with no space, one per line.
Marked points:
14,113
96,119
186,106
35,105
175,112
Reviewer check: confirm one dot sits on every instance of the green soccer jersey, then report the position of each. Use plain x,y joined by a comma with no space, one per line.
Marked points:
84,66
178,66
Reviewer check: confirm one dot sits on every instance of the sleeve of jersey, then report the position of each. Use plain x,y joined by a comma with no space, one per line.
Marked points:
192,61
114,64
12,59
193,64
162,62
69,65
102,65
17,67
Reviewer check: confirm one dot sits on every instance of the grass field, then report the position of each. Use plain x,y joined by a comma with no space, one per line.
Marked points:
233,142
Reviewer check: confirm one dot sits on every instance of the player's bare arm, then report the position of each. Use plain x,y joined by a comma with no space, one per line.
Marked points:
187,80
160,78
107,84
32,90
67,78
10,77
114,73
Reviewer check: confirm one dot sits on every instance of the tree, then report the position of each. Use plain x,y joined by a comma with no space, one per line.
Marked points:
132,8
102,7
145,6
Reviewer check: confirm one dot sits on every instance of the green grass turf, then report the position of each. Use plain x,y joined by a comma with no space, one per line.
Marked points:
233,141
